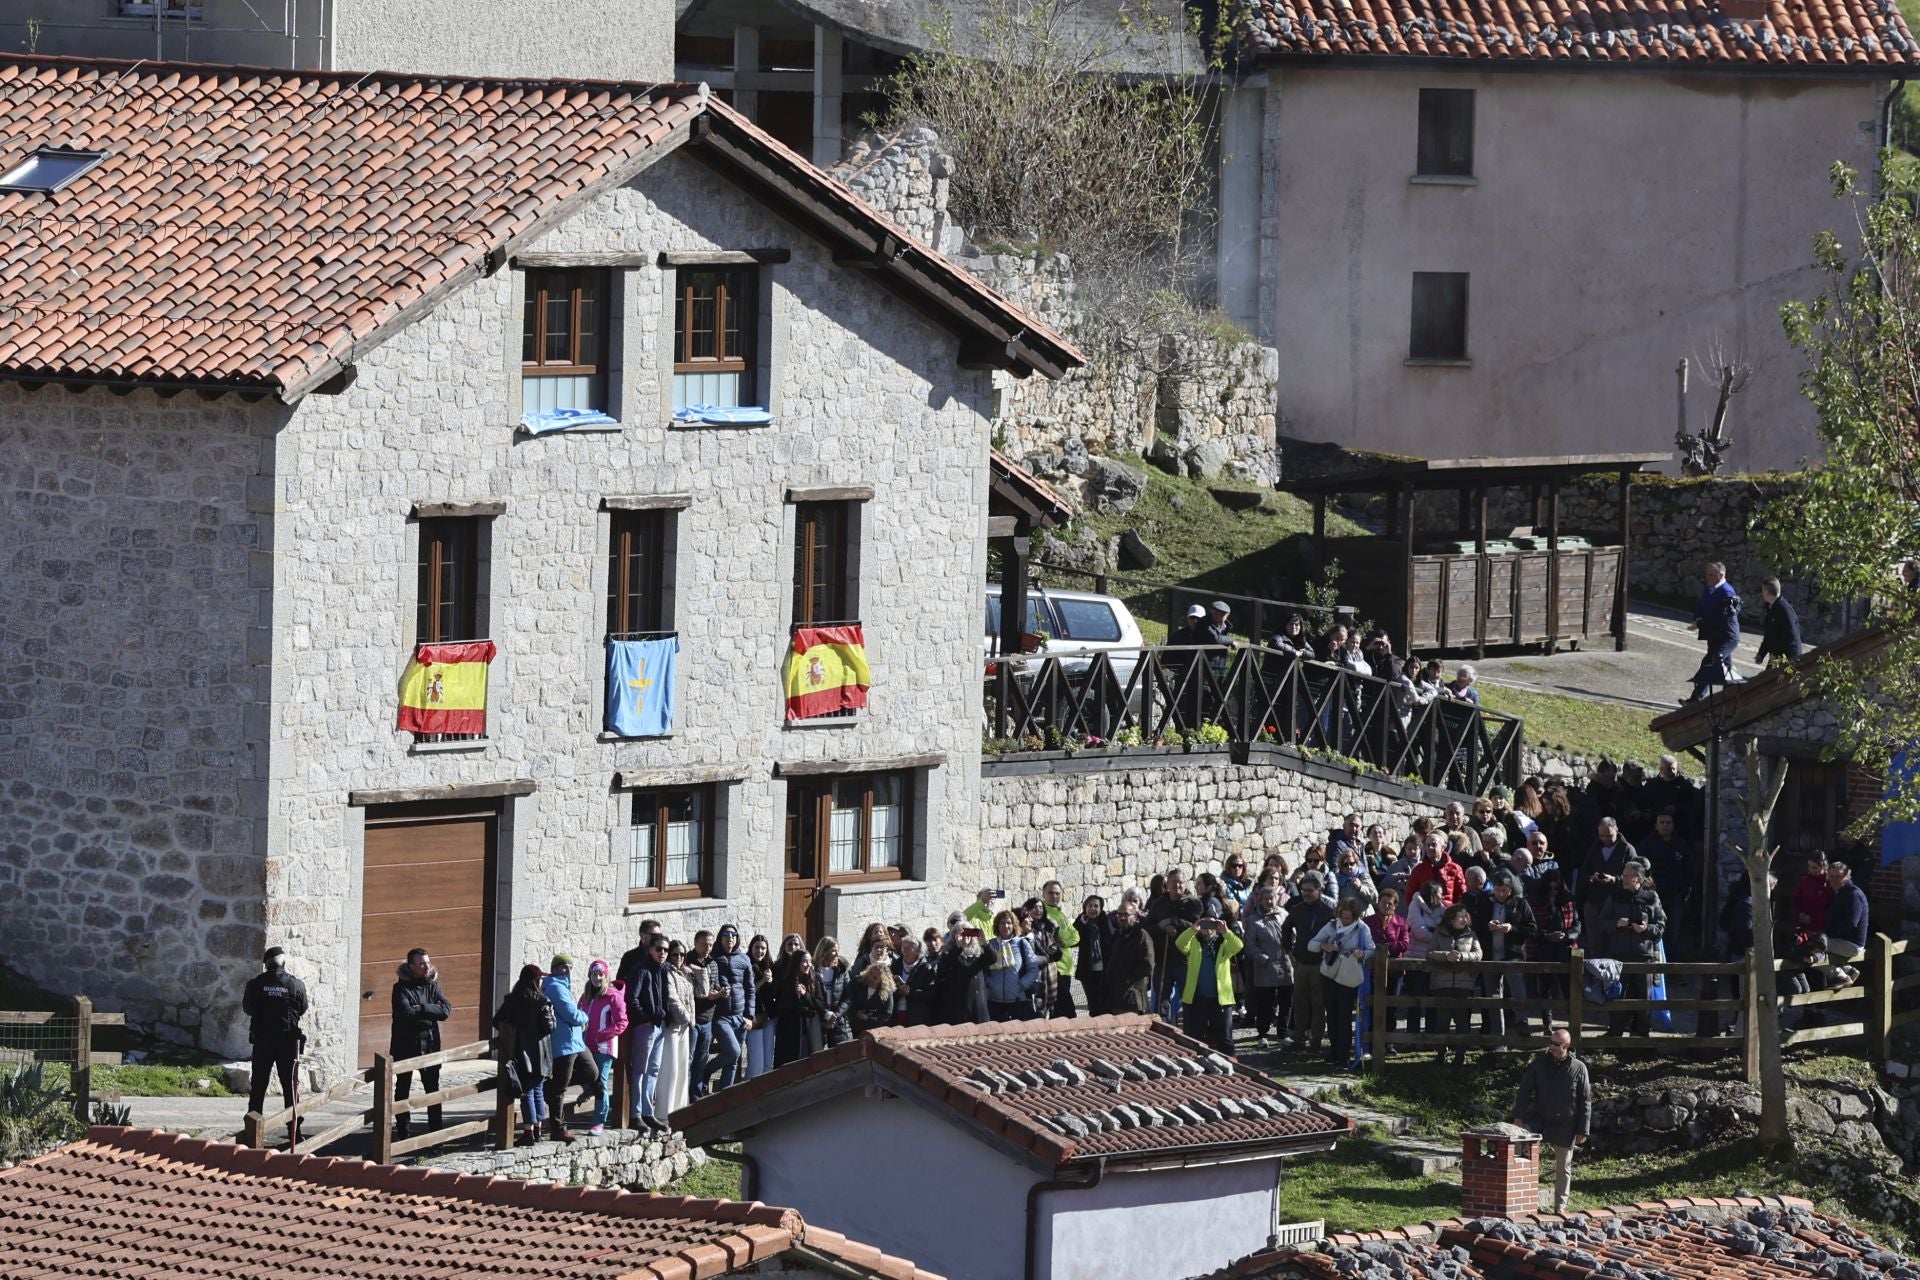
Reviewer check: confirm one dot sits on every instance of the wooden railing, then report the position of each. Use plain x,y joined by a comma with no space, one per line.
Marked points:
1255,694
1872,1012
258,1129
39,1035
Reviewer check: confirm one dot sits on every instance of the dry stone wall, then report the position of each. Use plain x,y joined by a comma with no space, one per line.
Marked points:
612,1159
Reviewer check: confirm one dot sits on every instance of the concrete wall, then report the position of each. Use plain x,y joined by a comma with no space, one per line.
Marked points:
864,392
954,1205
1206,1218
599,39
1099,830
1615,224
132,733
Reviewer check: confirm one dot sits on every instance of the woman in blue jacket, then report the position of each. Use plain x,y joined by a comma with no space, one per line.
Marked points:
1013,973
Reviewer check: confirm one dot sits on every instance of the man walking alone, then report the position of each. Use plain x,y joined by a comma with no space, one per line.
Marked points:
274,1003
1556,1102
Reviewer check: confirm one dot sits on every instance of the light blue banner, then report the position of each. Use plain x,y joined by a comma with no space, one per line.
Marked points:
640,686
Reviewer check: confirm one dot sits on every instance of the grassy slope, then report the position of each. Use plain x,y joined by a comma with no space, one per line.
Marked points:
1581,726
1203,543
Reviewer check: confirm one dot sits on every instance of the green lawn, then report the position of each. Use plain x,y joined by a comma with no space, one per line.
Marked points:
1581,726
1199,542
151,1080
714,1180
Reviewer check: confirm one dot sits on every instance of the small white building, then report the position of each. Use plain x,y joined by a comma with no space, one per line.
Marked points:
1054,1149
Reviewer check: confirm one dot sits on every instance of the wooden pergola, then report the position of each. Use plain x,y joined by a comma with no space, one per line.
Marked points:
1535,584
1018,503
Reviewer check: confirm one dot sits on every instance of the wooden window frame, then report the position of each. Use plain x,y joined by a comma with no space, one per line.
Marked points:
1444,105
629,616
806,562
708,796
822,788
542,283
436,533
736,287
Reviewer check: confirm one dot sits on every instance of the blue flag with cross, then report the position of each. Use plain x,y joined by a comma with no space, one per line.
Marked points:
640,686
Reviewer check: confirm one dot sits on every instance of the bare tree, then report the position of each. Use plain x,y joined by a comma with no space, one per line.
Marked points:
1704,453
1765,779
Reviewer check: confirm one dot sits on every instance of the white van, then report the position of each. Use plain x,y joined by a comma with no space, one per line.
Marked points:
1073,621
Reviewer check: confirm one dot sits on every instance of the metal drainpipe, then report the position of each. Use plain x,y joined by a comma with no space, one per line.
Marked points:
1039,1189
749,1169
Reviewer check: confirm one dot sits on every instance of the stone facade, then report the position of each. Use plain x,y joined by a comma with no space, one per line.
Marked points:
1098,829
131,735
904,175
612,1159
217,602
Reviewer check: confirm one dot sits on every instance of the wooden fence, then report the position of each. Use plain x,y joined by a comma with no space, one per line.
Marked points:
45,1036
383,1110
1865,1013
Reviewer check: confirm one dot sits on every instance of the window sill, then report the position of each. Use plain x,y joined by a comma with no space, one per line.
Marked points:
448,748
826,722
890,884
682,424
1443,180
1437,362
590,429
655,906
622,737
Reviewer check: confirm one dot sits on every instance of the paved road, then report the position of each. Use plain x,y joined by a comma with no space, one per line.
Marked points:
1654,672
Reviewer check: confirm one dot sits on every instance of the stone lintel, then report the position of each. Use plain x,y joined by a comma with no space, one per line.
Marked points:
681,776
885,764
464,791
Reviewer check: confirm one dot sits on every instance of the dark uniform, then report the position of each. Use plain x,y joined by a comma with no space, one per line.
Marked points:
274,1002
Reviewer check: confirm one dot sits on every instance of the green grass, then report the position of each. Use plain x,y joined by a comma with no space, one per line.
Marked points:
1581,726
1201,543
1354,1190
151,1080
714,1180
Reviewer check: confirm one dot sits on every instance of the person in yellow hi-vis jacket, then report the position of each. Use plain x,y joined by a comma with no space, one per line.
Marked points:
1209,947
1053,896
980,911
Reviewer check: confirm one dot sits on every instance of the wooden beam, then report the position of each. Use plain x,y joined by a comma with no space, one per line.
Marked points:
780,1101
723,257
884,764
585,260
1626,557
832,493
682,776
646,502
435,510
1002,526
889,248
468,791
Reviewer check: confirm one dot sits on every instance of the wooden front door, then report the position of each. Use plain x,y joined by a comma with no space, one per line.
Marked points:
428,882
808,812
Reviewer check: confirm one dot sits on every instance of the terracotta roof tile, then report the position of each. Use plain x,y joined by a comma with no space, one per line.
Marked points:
1842,36
989,1075
259,229
133,1203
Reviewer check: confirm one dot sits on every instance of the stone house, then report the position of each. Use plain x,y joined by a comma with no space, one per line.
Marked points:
263,446
1052,1149
611,39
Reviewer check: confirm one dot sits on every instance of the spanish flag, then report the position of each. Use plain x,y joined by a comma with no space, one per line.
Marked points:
826,672
445,688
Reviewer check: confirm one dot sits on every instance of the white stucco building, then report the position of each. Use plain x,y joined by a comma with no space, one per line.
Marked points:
1063,1150
293,451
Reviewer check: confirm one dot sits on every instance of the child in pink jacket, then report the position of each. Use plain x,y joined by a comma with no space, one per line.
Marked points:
605,1004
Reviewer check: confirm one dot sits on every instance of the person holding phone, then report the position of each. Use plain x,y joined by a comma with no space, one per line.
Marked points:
1013,973
1207,996
868,1000
957,995
1346,935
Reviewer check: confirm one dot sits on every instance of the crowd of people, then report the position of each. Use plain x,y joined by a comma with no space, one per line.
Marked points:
1609,869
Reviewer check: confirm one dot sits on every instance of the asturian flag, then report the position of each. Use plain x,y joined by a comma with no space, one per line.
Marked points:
827,671
445,688
640,686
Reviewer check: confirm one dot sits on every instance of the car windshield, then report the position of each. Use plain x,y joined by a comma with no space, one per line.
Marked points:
1087,620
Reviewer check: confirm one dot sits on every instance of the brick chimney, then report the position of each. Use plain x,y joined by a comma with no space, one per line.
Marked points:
1499,1172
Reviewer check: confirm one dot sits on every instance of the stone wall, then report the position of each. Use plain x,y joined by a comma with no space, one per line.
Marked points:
131,745
1098,825
904,175
612,1159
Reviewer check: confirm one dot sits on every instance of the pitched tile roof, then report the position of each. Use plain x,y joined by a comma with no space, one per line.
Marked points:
1744,1238
1826,36
1027,490
259,229
135,1203
1057,1093
1775,688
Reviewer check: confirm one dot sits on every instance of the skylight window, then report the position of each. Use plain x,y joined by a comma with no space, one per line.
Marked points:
49,169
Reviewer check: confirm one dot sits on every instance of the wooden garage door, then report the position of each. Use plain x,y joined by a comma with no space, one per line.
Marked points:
428,883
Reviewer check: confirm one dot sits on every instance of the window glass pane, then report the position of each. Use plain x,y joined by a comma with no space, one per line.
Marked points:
1446,133
559,327
529,319
888,821
641,841
1087,620
588,349
686,838
539,393
722,389
1439,326
736,305
843,839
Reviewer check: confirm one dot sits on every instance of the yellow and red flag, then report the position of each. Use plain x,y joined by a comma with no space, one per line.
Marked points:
827,671
445,688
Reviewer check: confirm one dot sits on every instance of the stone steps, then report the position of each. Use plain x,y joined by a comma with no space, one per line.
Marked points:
1424,1156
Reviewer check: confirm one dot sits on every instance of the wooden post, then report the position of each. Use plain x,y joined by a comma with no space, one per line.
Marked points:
1879,980
1553,565
82,1059
383,1108
1482,576
1749,1034
250,1135
1576,994
1382,988
1626,557
1013,590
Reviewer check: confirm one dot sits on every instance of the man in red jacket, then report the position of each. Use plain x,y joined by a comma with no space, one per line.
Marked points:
1437,864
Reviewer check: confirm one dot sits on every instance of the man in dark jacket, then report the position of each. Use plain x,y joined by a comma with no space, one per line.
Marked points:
705,1003
1670,860
1129,962
1846,922
1601,872
730,984
1503,922
419,1007
1717,616
274,1003
1167,918
1631,923
1779,628
1307,914
646,980
1556,1102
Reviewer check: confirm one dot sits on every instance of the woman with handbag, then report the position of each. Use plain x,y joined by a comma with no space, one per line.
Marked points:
529,1060
1345,945
1455,946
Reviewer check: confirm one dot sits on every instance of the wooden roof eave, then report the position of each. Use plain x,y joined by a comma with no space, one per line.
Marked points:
1770,691
1471,473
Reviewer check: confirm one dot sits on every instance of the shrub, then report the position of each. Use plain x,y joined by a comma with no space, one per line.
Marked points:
35,1115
